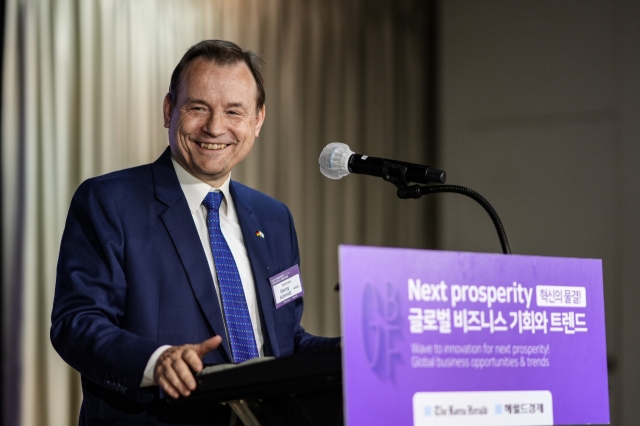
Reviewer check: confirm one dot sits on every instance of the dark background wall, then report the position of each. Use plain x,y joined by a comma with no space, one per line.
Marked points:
539,111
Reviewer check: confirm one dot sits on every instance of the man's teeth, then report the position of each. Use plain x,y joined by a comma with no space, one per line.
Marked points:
212,145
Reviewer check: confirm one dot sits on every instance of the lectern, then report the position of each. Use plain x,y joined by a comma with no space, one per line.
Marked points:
302,389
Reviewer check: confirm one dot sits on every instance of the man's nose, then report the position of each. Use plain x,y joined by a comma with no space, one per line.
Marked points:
215,126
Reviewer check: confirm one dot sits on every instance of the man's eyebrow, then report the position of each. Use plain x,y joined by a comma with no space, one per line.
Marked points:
195,101
202,101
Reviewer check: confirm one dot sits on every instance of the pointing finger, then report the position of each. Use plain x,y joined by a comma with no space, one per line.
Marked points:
208,345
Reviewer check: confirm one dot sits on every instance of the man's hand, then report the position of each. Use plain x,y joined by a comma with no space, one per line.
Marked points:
173,368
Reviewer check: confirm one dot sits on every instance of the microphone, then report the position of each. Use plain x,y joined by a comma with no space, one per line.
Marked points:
337,160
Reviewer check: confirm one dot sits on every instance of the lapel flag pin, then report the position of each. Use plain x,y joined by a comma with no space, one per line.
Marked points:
259,234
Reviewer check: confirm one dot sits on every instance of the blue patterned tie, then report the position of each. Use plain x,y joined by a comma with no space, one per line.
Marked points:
234,305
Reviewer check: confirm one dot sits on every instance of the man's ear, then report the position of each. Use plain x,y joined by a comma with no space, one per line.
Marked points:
167,109
260,119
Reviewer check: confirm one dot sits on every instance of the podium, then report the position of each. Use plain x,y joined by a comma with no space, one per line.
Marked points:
301,389
437,338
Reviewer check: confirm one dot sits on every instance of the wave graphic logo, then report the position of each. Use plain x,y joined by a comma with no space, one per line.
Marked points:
381,329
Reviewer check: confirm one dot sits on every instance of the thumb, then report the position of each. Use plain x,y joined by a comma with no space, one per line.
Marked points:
208,345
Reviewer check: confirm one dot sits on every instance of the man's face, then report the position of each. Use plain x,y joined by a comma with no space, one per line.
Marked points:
214,121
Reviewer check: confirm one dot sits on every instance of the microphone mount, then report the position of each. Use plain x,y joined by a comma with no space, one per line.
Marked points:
396,173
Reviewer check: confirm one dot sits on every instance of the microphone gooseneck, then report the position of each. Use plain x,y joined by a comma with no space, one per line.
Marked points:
337,160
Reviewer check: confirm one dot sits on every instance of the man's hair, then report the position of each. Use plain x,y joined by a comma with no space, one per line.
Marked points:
223,53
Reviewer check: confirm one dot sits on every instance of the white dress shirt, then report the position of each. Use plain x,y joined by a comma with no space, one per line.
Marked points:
195,190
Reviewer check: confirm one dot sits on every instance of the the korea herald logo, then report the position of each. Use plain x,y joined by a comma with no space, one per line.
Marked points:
381,328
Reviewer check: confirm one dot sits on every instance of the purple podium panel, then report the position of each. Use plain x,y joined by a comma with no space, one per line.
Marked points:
450,338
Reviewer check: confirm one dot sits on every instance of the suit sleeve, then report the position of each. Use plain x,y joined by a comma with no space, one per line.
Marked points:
304,341
91,296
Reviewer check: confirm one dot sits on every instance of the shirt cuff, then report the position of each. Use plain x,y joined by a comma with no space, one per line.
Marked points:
147,378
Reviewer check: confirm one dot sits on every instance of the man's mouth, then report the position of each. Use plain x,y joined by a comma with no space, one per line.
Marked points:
212,146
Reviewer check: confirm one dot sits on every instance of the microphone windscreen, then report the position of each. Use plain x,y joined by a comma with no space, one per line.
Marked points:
334,160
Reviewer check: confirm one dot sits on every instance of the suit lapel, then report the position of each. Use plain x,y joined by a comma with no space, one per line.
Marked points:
183,233
260,260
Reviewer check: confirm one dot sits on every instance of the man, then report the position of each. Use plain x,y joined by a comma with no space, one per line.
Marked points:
166,266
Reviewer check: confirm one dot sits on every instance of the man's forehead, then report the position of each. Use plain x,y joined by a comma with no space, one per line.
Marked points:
202,66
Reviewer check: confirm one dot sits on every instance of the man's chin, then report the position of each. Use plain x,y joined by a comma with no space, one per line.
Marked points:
214,176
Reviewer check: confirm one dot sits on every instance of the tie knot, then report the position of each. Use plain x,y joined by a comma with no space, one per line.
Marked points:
212,200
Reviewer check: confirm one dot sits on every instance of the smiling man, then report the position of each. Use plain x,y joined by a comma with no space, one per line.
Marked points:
166,266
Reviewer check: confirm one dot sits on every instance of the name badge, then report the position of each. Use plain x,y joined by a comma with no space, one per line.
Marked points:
286,286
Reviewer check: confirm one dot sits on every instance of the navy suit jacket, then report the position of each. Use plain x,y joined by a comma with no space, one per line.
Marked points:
132,275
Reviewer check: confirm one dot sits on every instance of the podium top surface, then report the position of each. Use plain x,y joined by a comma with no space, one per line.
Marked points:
287,375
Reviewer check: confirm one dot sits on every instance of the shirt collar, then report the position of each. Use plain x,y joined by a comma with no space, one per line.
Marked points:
195,190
